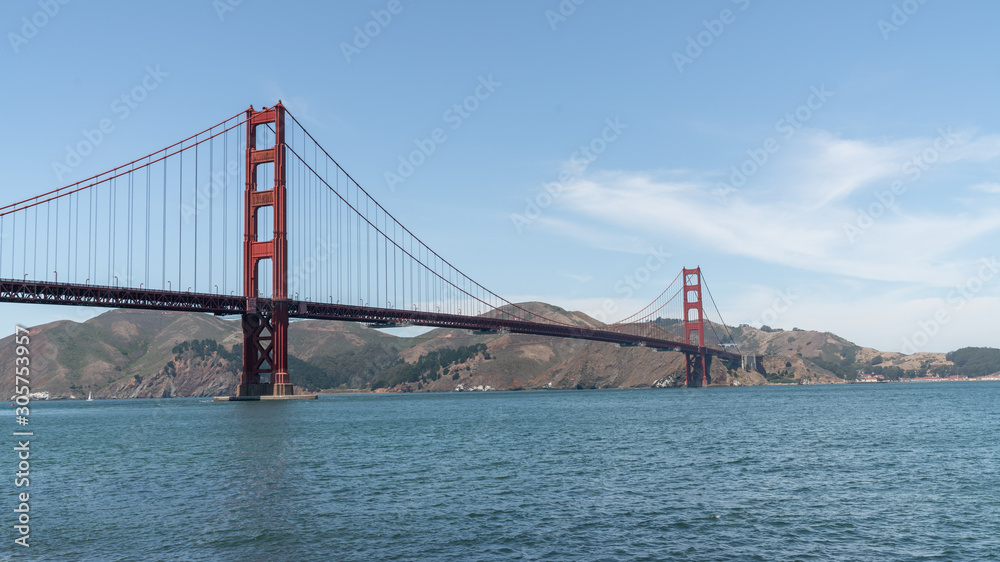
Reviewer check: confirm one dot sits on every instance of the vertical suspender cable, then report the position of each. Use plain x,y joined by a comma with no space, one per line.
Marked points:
368,255
112,247
163,251
24,240
194,209
340,249
180,227
131,223
359,262
225,212
211,197
385,254
48,227
146,272
76,246
90,229
55,241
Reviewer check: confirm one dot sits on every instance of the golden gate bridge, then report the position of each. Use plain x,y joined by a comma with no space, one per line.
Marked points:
252,217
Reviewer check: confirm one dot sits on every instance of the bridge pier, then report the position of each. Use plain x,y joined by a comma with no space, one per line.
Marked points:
699,369
754,363
281,385
256,389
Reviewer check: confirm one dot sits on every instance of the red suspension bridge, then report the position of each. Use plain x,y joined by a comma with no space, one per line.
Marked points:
252,217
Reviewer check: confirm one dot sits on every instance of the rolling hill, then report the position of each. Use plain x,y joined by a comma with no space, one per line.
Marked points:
138,354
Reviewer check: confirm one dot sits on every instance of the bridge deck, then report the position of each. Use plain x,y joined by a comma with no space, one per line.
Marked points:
35,292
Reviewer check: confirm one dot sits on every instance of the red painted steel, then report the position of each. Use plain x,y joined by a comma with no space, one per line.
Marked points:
694,325
265,333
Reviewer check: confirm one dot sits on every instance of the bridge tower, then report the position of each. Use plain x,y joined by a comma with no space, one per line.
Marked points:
265,332
698,365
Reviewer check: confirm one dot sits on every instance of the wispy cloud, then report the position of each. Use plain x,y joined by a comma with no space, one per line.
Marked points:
795,214
578,278
987,187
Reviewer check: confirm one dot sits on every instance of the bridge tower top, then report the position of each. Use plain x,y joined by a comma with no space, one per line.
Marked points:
694,310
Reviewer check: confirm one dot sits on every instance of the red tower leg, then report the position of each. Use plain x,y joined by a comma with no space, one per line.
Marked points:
694,329
265,332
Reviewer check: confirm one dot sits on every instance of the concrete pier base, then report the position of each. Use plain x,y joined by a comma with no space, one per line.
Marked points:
264,391
259,389
279,389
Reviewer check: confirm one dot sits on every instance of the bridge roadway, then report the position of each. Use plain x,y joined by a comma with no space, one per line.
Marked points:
36,292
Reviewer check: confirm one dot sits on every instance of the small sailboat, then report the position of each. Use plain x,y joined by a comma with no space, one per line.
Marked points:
90,397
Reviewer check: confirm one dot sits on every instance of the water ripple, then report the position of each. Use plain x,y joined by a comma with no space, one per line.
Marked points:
906,472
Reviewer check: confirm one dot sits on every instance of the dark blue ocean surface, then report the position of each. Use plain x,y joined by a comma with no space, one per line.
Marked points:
860,472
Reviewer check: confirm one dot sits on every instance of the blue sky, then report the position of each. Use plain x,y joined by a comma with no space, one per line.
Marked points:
830,166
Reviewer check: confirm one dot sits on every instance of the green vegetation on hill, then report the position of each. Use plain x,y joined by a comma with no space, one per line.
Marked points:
372,365
667,323
336,372
81,346
781,377
429,367
310,376
969,362
348,368
841,362
893,373
972,362
204,349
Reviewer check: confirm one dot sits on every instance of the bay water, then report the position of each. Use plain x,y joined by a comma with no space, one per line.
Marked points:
852,472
